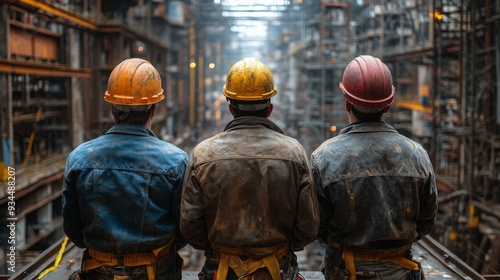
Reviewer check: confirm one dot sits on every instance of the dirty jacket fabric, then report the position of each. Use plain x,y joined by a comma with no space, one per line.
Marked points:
376,188
249,186
122,191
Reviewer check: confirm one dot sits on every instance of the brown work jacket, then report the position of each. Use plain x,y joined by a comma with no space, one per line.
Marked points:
249,186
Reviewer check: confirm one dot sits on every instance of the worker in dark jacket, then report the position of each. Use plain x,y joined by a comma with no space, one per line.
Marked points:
248,197
376,188
122,190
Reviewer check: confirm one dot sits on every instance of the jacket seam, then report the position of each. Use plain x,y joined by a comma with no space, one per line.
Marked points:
325,183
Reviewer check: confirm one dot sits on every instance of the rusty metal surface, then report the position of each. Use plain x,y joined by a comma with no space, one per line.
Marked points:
439,263
42,69
436,260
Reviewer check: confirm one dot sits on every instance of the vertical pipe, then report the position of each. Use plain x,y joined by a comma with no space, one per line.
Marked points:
99,8
323,103
401,25
201,88
473,100
348,12
497,60
5,107
382,31
10,143
218,65
461,88
321,31
192,73
302,23
436,81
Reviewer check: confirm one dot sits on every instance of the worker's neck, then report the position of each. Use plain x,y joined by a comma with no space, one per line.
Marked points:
352,118
148,123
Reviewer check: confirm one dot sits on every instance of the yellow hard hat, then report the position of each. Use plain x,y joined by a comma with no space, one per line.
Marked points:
249,80
134,82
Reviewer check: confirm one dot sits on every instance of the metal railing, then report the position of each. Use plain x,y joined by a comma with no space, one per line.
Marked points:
25,177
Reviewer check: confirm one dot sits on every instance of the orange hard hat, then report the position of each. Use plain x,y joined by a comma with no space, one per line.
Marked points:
367,83
134,82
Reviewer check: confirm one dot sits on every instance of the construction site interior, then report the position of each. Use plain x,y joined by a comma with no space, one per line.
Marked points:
56,57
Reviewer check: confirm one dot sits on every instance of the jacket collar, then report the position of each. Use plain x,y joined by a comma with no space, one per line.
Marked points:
131,129
251,122
363,127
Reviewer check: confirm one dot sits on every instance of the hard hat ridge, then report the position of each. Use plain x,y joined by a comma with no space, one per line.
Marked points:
134,82
249,80
367,84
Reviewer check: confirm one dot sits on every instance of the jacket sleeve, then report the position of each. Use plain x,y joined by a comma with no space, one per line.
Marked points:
180,240
307,220
428,207
192,217
72,224
325,207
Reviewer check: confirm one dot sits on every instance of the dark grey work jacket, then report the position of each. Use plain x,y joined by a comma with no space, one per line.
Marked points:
376,188
249,186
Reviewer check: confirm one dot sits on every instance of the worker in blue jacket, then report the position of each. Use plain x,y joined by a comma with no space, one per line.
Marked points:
122,190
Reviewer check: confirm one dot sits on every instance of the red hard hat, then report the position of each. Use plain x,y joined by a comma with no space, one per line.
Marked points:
367,83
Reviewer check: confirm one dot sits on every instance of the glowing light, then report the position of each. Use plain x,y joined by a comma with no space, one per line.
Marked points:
140,48
211,65
438,15
333,128
192,65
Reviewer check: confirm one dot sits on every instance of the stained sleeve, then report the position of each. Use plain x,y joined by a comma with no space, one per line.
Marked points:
428,207
192,216
307,220
180,240
324,204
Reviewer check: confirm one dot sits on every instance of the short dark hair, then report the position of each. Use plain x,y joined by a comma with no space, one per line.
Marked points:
133,117
367,117
257,113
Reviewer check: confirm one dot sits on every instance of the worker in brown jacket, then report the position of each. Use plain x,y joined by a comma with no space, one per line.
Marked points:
248,198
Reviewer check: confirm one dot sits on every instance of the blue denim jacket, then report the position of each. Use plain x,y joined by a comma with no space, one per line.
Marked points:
122,191
376,188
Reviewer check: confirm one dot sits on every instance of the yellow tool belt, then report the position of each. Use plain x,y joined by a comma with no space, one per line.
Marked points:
100,259
258,257
395,256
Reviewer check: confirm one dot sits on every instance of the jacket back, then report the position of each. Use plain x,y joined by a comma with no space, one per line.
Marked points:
249,186
122,191
376,188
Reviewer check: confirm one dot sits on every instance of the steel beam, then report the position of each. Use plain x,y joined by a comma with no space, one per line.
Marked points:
60,13
39,69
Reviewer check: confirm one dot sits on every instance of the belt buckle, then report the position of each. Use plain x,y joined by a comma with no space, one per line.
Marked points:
120,264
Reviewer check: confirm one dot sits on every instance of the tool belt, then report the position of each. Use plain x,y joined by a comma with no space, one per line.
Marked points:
258,257
100,259
395,256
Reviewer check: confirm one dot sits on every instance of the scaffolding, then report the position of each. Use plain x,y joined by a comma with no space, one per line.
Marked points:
55,57
444,57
